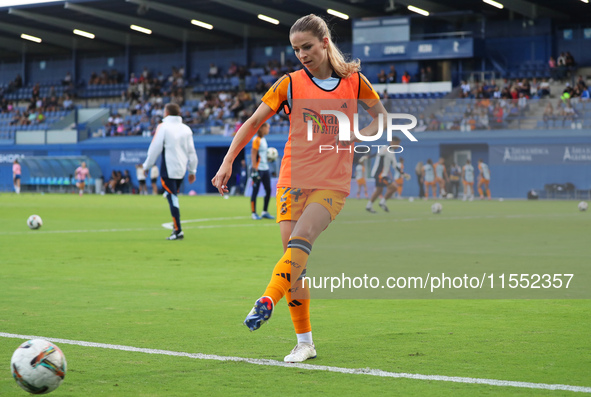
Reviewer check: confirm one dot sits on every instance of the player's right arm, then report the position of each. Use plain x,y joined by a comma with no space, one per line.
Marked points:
155,148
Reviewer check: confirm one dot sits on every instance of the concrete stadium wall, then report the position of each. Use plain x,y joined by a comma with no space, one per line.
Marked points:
518,160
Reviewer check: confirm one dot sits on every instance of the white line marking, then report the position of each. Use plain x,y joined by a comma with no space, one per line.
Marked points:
168,225
274,363
40,232
256,224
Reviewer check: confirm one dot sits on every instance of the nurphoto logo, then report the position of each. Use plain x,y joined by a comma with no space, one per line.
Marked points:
335,122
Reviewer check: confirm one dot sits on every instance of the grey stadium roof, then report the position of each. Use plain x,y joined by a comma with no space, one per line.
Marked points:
233,20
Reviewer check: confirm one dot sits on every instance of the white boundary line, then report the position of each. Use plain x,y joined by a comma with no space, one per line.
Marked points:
168,225
352,371
254,224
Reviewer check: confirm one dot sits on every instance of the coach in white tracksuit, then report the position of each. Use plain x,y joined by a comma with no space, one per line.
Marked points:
175,141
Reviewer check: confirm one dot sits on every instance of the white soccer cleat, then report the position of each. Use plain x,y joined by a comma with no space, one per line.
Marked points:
301,353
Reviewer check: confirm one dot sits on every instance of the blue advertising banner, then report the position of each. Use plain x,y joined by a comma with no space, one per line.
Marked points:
410,50
119,157
9,157
540,154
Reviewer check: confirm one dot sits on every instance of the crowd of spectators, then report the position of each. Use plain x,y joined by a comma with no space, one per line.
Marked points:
226,109
38,106
425,75
562,66
119,183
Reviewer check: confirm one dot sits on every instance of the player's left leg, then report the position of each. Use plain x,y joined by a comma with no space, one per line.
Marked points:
391,189
376,193
266,179
253,198
172,187
486,184
480,192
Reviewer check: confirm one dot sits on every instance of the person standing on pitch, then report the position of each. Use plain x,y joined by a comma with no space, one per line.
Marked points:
16,176
483,179
312,186
175,141
81,174
154,174
468,180
260,173
385,160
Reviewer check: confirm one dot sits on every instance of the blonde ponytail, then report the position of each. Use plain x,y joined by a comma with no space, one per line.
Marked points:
318,28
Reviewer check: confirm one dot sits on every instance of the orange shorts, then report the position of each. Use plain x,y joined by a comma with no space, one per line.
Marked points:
399,181
483,181
361,182
432,183
466,183
291,202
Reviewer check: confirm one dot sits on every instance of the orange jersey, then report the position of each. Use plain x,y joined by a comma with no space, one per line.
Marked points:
305,165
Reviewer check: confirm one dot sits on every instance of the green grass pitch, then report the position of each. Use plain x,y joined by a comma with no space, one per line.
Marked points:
100,270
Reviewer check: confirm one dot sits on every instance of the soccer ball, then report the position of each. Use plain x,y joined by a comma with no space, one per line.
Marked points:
38,366
34,222
436,208
272,154
583,206
449,196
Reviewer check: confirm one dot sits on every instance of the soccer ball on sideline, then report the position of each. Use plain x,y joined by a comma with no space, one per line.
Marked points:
583,206
34,222
272,154
38,366
436,208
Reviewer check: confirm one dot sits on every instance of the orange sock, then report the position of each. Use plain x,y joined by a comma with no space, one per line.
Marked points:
299,308
290,267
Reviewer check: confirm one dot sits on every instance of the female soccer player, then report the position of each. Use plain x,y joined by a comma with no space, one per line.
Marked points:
312,184
260,173
16,176
81,174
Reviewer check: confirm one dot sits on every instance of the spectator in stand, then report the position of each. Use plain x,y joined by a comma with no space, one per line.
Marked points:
465,87
423,76
232,70
428,74
585,97
213,70
406,78
533,88
260,87
498,114
18,81
548,114
569,60
382,78
569,115
67,79
544,88
392,75
522,102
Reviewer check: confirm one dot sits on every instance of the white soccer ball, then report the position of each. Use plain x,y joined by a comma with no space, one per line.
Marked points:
449,196
272,154
583,206
436,208
38,366
34,222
